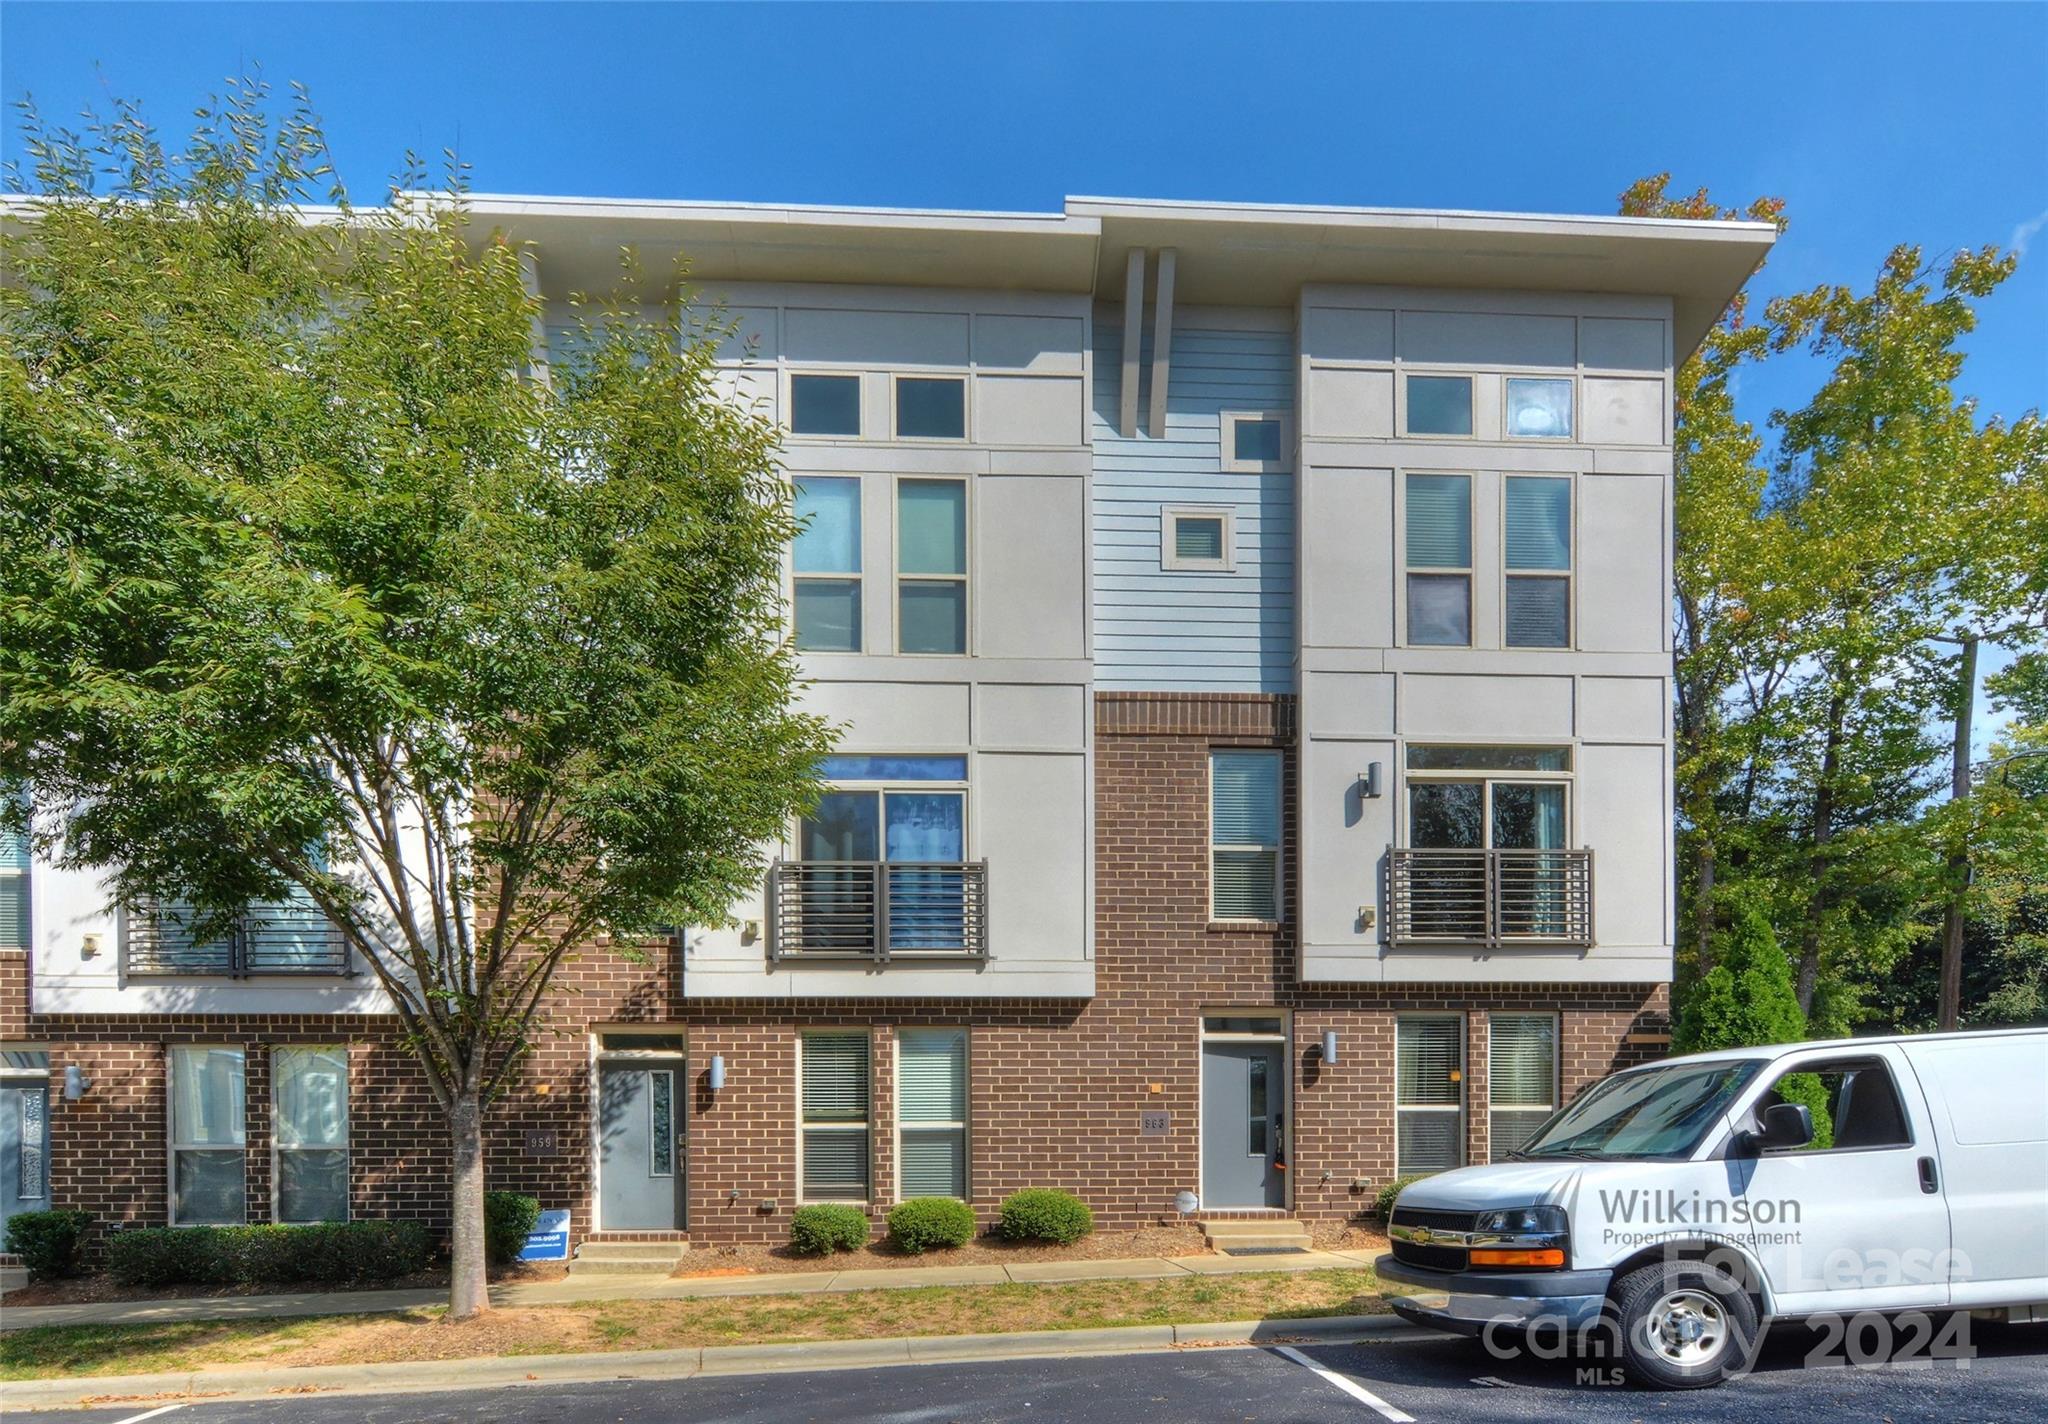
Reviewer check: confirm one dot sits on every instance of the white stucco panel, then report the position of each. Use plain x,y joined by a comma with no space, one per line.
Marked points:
1349,704
1027,716
1623,600
1029,410
1344,840
875,338
1031,825
893,716
1347,334
1619,343
1487,339
1031,540
1454,705
1622,709
1043,345
1623,410
1624,819
1350,404
1347,558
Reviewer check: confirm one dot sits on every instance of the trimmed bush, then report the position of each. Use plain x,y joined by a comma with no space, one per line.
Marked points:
335,1253
814,1230
509,1219
926,1223
1384,1202
1043,1214
48,1242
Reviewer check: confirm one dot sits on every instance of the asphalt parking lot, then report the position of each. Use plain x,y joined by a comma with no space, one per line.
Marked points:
1426,1379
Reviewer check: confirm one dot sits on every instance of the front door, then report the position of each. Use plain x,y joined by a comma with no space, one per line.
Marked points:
639,1147
24,1148
1244,1102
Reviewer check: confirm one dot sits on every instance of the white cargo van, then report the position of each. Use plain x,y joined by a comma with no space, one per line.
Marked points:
1685,1204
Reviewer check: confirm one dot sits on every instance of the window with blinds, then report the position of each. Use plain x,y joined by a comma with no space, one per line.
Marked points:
931,566
931,1112
1438,554
1244,835
826,565
1537,548
1429,1098
14,889
1521,1078
835,1117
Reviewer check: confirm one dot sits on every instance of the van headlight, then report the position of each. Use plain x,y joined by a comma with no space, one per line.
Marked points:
1523,1221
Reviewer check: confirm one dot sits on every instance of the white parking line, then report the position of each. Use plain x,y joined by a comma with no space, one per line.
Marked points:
149,1414
1349,1386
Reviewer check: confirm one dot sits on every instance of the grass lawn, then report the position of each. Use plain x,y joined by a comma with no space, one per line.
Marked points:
72,1350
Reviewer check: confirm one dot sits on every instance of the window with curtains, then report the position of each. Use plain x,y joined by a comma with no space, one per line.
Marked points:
931,566
208,1136
1521,1079
824,405
1537,548
1438,555
14,889
1244,834
834,1146
309,1097
1429,1094
826,561
931,1112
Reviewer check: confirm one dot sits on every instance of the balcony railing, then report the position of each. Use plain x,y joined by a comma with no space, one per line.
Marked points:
269,939
1498,898
877,910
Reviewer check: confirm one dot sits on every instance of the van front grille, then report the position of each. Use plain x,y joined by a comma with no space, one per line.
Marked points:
1434,1258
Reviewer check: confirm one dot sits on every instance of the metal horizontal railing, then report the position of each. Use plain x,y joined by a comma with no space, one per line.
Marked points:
877,910
1490,897
270,939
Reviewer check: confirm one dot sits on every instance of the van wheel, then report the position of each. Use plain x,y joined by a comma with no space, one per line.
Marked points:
1684,1325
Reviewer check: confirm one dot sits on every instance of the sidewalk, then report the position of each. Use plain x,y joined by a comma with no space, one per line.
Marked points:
629,1287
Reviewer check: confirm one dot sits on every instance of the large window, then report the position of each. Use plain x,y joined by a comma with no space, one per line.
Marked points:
931,1112
207,1128
14,890
827,565
931,566
1244,835
1538,552
1439,559
1521,1078
309,1089
1465,802
1429,1097
835,1117
824,405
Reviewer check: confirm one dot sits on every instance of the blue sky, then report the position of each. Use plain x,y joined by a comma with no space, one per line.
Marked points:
1878,124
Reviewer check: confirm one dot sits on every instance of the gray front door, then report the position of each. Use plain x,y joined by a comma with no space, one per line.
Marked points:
24,1149
1244,1104
640,1147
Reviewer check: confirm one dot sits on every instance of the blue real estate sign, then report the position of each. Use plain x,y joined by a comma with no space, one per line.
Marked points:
549,1240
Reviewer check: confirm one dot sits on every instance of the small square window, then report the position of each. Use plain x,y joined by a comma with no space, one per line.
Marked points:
1439,405
1539,408
824,405
1197,539
931,408
1255,442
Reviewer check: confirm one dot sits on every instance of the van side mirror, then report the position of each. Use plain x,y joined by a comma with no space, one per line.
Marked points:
1786,1125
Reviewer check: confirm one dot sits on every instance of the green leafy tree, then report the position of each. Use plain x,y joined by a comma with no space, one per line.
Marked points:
312,582
1748,999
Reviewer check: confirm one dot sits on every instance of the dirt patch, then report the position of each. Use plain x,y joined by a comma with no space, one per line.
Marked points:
1175,1240
1346,1236
95,1289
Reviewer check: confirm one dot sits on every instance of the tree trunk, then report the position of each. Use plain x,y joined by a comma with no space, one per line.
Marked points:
1817,861
467,1295
1958,863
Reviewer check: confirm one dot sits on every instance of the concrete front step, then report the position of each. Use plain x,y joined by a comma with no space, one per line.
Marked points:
627,1258
1282,1231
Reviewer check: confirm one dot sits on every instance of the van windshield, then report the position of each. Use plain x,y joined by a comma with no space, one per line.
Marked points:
1654,1112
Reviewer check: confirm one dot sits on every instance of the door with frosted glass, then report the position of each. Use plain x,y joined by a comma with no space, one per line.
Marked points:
24,1147
640,1148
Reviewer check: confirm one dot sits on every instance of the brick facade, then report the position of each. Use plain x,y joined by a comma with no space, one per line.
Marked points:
1055,1087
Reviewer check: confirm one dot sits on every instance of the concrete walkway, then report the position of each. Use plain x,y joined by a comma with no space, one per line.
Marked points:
640,1287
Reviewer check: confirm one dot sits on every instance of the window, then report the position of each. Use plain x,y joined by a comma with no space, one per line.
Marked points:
931,408
1197,539
14,889
1482,758
931,566
1244,835
919,829
1429,1097
1539,408
835,1116
1256,442
824,405
1439,405
1439,555
1521,1078
826,561
931,1112
1855,1105
1486,824
1537,512
309,1093
207,1137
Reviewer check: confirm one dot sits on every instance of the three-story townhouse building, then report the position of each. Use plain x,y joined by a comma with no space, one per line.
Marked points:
1248,631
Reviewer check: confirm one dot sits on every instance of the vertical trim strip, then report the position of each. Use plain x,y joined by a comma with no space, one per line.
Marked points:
1134,318
1162,343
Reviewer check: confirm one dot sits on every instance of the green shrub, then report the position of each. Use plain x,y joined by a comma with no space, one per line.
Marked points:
924,1223
814,1230
509,1219
335,1253
48,1242
1043,1214
1384,1202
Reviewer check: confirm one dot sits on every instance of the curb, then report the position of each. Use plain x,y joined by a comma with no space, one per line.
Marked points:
711,1360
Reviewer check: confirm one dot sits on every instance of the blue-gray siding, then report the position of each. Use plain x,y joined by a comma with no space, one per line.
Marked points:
1185,631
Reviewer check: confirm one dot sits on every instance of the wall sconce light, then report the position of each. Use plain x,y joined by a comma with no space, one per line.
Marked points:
1329,1048
76,1084
717,1072
1369,781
